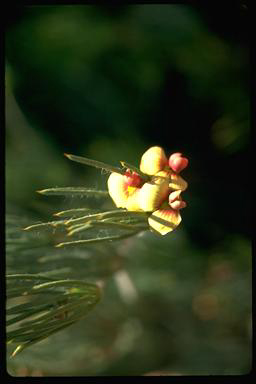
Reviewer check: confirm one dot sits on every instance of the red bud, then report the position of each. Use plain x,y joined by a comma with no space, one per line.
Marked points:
132,179
177,162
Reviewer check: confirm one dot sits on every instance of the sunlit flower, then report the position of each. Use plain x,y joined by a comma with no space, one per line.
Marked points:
160,196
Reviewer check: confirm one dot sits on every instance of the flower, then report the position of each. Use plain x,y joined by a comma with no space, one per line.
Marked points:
160,196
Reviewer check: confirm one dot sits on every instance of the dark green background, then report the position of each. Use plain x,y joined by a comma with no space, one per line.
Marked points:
107,83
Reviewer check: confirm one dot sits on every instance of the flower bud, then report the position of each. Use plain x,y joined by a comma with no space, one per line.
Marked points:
177,162
174,155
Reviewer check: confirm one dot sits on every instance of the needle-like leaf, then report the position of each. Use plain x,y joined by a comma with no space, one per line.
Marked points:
96,240
133,168
72,191
94,163
42,315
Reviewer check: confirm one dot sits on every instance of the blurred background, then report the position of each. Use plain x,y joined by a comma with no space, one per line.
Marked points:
108,82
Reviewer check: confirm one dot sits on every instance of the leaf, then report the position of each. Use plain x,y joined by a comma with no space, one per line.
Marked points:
107,223
88,217
107,214
97,239
36,254
49,223
94,163
18,240
51,305
133,168
119,225
78,228
63,191
69,212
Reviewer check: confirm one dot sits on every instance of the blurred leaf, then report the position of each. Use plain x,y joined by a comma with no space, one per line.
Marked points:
51,305
34,252
230,134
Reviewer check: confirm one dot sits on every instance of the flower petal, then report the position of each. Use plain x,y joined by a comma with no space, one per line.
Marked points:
164,220
132,203
177,182
153,161
118,189
153,193
178,204
174,196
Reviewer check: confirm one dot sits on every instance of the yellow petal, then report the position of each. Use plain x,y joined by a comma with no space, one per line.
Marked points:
153,161
118,189
132,203
178,204
153,193
164,220
175,195
176,182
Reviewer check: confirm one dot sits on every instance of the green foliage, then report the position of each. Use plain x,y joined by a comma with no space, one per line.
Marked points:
50,303
60,303
49,306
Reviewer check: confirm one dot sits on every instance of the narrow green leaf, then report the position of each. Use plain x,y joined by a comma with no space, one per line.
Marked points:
102,215
94,163
27,276
89,217
96,240
118,225
26,314
40,317
73,190
71,211
79,227
18,349
49,223
133,168
102,223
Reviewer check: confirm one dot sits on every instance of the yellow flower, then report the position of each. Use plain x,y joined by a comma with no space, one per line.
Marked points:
159,196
